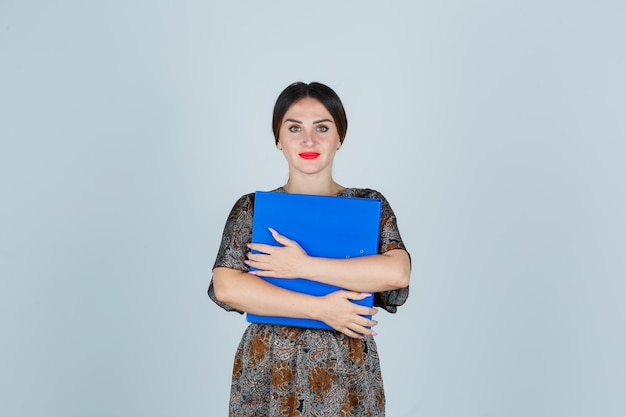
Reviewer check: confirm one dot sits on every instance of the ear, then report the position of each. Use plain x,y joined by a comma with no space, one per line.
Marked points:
279,146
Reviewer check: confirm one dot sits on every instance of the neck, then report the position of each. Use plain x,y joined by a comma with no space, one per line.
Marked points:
296,186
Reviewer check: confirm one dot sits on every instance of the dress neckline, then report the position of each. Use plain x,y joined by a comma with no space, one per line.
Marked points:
281,189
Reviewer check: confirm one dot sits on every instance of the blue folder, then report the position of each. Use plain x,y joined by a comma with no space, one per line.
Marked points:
324,226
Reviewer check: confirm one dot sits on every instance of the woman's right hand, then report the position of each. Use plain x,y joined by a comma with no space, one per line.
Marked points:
341,314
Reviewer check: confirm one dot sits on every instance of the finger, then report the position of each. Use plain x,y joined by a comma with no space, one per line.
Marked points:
367,311
370,323
362,296
258,257
260,267
366,328
361,331
263,273
351,295
261,247
365,322
358,295
280,238
350,333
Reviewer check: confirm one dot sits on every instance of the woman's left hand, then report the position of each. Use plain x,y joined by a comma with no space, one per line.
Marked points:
287,261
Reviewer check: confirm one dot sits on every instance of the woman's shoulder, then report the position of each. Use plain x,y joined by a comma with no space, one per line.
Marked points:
362,193
243,208
245,200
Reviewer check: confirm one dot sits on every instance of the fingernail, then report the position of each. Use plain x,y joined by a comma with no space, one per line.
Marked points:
247,262
366,294
272,231
374,333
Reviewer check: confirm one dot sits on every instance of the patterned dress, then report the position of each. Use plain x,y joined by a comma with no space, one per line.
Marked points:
291,371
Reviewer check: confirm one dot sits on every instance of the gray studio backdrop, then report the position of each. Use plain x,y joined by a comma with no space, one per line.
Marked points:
496,130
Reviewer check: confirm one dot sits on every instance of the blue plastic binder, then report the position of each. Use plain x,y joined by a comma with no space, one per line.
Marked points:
330,227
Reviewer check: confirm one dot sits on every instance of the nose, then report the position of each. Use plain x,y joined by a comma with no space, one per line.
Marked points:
308,139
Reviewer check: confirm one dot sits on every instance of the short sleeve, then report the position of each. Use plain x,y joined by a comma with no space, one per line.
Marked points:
237,234
389,239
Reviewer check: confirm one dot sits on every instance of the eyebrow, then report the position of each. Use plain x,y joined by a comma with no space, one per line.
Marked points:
315,122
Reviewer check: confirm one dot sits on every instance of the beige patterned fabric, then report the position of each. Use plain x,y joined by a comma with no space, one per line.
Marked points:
290,371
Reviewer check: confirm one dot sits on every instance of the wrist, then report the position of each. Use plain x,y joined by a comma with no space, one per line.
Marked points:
307,267
311,307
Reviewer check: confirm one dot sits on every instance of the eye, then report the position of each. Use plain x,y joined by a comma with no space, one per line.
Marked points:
322,128
295,128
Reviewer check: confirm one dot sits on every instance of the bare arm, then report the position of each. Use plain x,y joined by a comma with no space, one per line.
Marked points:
247,292
374,273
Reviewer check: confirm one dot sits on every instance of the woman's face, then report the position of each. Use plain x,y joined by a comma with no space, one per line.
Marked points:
308,137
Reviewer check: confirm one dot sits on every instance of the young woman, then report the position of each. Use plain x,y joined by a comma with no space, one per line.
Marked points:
292,371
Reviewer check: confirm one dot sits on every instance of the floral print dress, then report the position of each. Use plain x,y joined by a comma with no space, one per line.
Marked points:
283,371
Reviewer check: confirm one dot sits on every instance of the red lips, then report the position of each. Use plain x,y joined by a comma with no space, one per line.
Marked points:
309,155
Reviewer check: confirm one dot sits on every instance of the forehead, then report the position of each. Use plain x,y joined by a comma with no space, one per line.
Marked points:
307,108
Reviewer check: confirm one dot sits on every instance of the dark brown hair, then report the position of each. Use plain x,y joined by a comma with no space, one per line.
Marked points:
319,92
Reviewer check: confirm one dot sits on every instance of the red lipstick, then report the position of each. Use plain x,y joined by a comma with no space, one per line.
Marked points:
309,155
